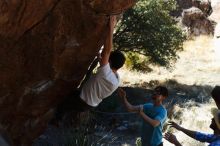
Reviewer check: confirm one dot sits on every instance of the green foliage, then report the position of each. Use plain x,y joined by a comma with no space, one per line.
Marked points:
138,141
137,62
149,29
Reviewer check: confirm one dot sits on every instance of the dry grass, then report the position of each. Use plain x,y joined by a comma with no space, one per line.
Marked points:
198,64
197,68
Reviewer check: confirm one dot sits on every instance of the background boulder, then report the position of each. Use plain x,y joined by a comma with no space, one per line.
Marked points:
194,16
197,22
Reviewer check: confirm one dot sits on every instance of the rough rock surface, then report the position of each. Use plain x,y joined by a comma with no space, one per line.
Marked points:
197,22
46,47
204,5
195,16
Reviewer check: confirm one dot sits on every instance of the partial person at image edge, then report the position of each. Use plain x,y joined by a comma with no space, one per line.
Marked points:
212,139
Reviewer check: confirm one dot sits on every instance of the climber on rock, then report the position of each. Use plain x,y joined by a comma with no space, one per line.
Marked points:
99,85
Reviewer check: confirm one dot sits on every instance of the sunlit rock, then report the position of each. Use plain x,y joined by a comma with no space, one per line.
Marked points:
109,7
204,5
197,22
195,16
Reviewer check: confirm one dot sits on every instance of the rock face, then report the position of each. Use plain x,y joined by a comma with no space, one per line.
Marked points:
195,16
46,47
197,22
110,6
203,5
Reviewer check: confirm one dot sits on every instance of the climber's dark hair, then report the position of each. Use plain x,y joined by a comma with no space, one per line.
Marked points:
116,59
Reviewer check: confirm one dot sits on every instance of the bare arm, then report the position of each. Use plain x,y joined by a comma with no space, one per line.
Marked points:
138,109
108,42
149,120
172,139
190,133
129,107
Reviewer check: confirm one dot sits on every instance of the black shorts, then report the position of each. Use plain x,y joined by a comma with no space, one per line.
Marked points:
72,102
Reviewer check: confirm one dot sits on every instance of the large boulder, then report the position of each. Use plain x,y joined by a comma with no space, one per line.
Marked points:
108,7
195,16
46,47
203,5
197,22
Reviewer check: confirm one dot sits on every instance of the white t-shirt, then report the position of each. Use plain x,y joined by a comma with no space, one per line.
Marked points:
99,86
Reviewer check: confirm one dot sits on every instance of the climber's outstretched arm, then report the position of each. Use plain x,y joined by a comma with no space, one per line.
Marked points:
108,42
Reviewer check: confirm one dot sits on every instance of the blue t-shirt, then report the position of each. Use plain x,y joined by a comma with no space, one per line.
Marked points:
152,136
213,139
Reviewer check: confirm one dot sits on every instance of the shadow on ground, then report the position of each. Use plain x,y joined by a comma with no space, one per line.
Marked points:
180,94
111,125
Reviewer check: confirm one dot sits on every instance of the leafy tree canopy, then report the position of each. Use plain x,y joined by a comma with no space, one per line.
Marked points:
149,29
